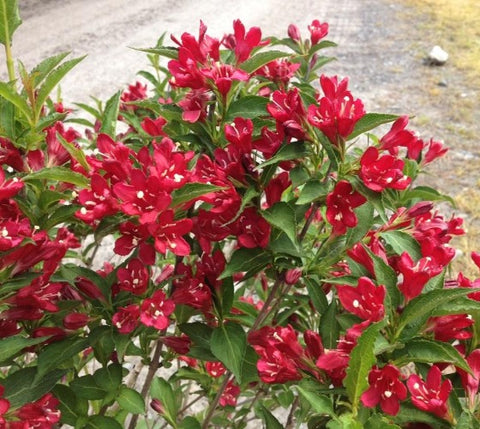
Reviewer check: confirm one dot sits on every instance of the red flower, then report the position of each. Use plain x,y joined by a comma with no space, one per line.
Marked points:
154,127
9,188
180,345
252,230
97,202
334,362
75,320
279,71
194,106
134,277
337,112
154,311
126,318
317,31
133,93
450,327
415,275
168,234
365,300
471,382
398,136
380,172
243,43
215,369
280,353
221,77
430,396
144,197
239,133
288,110
230,395
340,204
42,413
385,388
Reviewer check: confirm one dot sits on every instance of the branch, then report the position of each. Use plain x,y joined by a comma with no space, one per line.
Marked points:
152,369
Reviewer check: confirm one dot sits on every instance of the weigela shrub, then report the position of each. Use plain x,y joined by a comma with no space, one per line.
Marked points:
269,249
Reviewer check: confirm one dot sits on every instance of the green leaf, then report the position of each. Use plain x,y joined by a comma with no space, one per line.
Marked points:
409,414
131,401
386,276
428,351
260,59
10,346
246,260
162,390
59,352
313,190
25,386
109,378
329,327
401,242
163,51
102,422
190,191
282,216
249,367
270,420
426,193
320,404
287,152
7,119
71,273
61,214
110,115
419,309
361,361
316,294
51,81
189,422
377,422
364,215
229,343
58,174
250,106
9,20
41,70
76,153
86,387
9,93
369,122
71,406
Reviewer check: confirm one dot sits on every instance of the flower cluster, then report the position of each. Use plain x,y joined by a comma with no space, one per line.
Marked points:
245,232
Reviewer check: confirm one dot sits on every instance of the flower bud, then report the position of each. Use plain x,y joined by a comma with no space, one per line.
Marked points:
292,276
75,321
294,32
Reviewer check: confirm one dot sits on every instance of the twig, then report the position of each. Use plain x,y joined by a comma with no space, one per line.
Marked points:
213,405
290,421
152,369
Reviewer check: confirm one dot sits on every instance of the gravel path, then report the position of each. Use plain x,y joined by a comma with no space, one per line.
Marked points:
105,29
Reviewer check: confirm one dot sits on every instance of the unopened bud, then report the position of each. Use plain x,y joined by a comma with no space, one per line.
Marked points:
294,32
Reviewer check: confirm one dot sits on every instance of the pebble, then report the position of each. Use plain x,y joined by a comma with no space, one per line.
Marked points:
437,56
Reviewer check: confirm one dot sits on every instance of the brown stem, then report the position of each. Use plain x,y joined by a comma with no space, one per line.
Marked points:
265,309
152,369
290,422
213,405
308,221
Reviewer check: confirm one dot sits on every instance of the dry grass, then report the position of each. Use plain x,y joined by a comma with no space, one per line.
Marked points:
455,26
456,23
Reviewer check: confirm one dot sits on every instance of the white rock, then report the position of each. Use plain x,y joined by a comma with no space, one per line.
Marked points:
437,56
